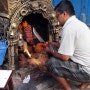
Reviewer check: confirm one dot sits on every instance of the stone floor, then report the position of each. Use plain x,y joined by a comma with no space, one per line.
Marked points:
38,81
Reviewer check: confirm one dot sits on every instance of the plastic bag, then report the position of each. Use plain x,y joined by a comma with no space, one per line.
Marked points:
3,49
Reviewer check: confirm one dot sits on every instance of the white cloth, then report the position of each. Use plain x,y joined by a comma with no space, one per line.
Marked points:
4,77
75,42
26,79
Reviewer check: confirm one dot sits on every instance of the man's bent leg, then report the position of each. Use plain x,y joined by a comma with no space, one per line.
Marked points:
67,69
84,86
63,82
52,65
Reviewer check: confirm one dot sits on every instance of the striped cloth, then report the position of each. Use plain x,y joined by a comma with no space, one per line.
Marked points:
67,69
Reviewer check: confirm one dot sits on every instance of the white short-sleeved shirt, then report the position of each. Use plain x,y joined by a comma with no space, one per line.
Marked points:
75,42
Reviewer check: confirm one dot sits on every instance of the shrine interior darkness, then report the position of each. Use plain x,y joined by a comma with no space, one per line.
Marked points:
40,23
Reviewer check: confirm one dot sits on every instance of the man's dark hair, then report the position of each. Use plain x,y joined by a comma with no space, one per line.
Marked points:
67,6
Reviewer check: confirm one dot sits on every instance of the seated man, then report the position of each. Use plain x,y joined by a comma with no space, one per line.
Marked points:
72,60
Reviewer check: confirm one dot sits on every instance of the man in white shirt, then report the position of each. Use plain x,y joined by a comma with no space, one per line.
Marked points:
73,57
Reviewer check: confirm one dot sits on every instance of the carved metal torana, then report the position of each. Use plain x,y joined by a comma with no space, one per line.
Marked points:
16,10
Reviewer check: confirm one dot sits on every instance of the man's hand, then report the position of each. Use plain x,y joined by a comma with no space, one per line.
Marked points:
47,48
55,53
55,44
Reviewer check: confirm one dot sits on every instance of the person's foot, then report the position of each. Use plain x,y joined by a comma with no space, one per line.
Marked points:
84,86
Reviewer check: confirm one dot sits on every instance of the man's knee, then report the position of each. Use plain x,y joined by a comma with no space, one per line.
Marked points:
50,61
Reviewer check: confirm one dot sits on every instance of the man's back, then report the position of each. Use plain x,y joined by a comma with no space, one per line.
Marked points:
81,53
